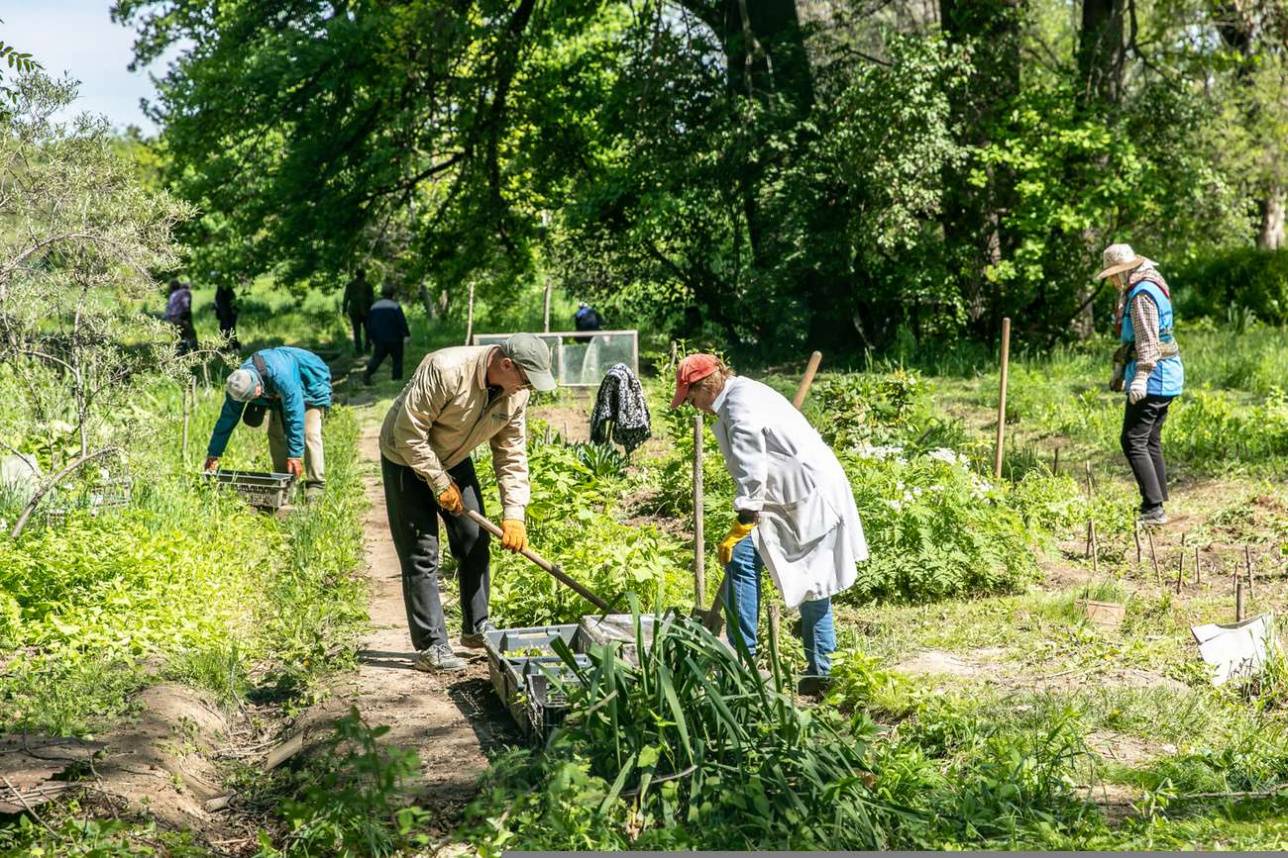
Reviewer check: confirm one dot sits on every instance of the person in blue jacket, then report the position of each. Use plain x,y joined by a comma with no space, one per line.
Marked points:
1147,366
293,387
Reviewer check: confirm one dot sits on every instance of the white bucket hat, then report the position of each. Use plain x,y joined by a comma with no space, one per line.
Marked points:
1119,257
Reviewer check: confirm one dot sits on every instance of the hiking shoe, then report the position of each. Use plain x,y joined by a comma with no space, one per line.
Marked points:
1154,516
813,686
438,658
476,639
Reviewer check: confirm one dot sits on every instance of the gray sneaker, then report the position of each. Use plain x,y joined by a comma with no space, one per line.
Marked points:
475,640
1154,516
438,658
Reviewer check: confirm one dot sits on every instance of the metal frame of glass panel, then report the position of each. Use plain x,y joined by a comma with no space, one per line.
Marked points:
580,358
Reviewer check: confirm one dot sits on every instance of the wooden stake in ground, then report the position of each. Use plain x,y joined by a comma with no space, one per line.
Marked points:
469,317
699,547
802,389
1198,573
1055,462
1001,398
1153,557
546,322
1238,601
1180,571
189,393
1247,556
1135,532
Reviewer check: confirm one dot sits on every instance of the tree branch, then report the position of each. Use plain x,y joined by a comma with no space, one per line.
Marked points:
53,481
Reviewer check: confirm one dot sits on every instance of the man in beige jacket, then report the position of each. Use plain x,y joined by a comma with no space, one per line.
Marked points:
457,399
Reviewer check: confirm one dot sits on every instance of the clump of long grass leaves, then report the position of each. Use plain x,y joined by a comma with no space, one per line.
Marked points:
688,747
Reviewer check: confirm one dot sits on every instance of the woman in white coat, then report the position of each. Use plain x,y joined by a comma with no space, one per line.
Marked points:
795,510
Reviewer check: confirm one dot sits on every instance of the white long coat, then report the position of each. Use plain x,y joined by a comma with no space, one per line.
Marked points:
809,534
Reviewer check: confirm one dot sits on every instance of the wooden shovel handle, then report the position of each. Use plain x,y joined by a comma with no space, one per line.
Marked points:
808,379
553,568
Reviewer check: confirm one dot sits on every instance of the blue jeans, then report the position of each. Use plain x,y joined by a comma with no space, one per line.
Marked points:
742,610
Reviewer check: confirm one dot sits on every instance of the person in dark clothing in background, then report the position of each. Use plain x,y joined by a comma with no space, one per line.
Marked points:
358,297
226,313
586,319
387,332
178,312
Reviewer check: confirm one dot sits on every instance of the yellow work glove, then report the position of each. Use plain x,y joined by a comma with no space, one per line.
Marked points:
737,533
450,500
514,536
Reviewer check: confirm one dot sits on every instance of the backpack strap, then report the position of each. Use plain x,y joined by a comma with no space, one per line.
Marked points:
262,369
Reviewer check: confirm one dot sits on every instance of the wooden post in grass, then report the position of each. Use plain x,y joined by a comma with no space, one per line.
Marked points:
1055,462
1135,532
1198,573
1001,398
469,317
1247,556
1180,571
699,549
1153,556
189,394
1093,548
806,380
1238,601
545,325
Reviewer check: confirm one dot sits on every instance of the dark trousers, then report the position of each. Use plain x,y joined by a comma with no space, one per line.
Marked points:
1141,440
379,351
413,520
359,323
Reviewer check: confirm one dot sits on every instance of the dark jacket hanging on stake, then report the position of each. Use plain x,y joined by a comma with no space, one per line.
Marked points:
620,400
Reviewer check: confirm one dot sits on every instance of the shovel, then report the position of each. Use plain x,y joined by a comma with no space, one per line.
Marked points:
553,568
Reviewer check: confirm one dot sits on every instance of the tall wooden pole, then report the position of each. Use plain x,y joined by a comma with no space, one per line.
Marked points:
1001,398
806,380
469,318
189,394
699,546
546,324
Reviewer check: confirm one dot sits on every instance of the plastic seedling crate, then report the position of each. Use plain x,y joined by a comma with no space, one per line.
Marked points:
528,675
260,489
616,629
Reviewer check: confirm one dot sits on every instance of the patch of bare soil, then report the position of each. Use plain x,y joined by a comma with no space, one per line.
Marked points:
1125,749
569,420
987,665
159,765
450,721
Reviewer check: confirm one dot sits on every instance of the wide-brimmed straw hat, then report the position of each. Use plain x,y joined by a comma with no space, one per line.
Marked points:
1117,258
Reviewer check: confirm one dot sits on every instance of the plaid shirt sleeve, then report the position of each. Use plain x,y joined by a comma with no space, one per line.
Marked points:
1144,321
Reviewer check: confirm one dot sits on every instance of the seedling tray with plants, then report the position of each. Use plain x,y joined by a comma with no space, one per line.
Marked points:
260,489
529,675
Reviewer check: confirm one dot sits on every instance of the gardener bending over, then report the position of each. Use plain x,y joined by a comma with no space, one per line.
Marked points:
1149,364
457,399
293,386
795,510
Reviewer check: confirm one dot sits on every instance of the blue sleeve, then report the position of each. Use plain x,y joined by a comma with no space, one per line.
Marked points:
292,392
228,418
402,322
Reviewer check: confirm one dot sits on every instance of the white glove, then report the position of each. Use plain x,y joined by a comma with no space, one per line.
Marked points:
1138,390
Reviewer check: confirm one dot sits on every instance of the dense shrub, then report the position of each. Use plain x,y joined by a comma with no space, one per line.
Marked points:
1245,277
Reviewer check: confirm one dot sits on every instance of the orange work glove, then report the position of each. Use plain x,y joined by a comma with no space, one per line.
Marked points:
514,536
450,500
295,468
212,464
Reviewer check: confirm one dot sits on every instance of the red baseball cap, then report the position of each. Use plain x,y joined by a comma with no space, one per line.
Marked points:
692,368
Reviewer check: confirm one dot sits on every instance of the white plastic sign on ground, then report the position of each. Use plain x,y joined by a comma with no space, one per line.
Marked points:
1240,649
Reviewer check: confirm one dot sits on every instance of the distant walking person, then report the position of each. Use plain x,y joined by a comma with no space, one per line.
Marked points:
1148,365
178,312
387,332
586,319
293,386
357,302
226,313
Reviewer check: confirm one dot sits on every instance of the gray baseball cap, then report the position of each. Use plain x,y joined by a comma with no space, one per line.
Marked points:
241,385
531,353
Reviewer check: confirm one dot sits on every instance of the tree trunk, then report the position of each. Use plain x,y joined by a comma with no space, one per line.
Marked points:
1271,234
1101,52
972,216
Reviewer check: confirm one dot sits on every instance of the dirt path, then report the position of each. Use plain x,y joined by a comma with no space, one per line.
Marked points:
450,721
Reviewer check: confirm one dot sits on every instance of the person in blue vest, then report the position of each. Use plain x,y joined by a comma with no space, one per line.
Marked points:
293,387
1148,366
